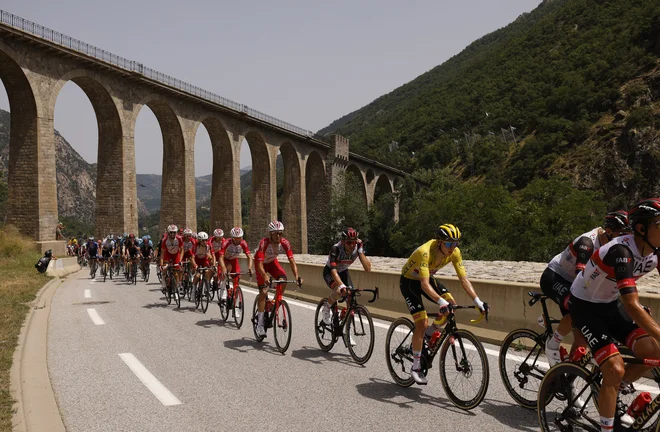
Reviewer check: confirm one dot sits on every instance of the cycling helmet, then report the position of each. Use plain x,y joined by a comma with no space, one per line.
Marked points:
616,220
644,211
448,232
218,233
194,235
145,238
131,236
125,234
236,232
202,236
148,237
111,236
172,229
349,233
187,232
275,226
91,238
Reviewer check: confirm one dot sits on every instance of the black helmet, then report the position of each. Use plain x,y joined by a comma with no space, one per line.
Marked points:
617,220
349,233
48,253
643,211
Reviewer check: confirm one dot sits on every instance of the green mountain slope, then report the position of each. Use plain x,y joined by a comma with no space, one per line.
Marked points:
516,104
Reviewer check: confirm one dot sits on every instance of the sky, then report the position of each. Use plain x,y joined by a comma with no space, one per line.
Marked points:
306,62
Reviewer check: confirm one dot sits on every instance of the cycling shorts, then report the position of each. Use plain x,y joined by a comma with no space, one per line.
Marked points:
202,262
274,269
167,257
601,324
106,253
412,292
556,288
133,252
330,281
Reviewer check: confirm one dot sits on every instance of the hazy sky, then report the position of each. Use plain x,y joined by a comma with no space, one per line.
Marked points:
306,62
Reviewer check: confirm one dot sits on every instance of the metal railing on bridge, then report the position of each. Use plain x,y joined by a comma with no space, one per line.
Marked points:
63,40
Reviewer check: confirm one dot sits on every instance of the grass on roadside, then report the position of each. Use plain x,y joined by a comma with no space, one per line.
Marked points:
19,283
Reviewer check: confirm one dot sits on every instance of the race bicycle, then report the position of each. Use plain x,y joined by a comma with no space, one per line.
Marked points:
461,353
171,290
202,289
233,300
353,324
277,315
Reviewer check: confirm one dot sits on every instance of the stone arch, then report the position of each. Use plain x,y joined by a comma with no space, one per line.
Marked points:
353,173
32,187
260,202
292,196
223,200
316,196
116,208
382,188
178,166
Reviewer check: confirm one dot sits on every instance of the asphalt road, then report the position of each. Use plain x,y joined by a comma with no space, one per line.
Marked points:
214,377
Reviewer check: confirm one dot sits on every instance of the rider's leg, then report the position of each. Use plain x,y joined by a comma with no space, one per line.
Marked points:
613,370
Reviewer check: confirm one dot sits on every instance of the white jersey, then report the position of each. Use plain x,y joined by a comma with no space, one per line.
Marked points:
566,262
613,270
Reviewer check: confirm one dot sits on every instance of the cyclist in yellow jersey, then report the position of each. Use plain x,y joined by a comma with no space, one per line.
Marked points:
417,280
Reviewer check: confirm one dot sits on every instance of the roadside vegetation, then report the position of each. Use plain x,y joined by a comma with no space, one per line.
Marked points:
19,283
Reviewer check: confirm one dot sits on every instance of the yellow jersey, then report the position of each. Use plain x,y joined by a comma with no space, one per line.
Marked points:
427,259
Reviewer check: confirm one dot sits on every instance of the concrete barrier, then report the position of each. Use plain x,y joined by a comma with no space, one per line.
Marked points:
62,266
508,300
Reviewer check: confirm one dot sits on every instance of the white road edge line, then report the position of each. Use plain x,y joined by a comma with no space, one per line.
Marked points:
96,318
88,293
151,382
489,351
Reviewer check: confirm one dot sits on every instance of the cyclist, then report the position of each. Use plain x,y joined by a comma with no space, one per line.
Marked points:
335,272
108,247
417,281
189,244
609,275
147,253
131,252
561,271
229,256
92,249
266,261
203,256
172,251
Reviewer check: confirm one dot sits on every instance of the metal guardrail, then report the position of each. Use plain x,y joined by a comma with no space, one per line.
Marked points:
63,40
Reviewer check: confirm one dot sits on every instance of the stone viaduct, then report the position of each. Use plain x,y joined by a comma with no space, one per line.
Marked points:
36,62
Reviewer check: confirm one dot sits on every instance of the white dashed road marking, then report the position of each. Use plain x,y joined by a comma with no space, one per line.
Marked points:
88,293
151,382
96,319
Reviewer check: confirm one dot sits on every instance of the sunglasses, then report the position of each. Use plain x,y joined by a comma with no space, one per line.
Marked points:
279,233
450,245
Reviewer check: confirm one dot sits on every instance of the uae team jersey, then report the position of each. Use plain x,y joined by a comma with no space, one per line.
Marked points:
267,251
427,260
612,271
574,258
339,259
231,250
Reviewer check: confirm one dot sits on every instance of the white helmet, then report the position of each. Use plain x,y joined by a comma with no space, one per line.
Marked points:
236,232
218,233
187,231
275,226
202,236
172,228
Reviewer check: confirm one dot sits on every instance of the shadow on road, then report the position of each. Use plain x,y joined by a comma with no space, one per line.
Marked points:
403,397
316,356
215,322
510,414
157,305
249,344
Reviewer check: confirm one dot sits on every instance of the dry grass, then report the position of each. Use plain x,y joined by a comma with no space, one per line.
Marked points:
19,282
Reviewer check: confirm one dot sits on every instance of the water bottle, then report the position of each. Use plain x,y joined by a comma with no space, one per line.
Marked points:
563,354
269,306
434,339
343,314
541,321
577,354
639,404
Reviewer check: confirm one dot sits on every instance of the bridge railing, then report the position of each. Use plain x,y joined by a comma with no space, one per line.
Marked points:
73,44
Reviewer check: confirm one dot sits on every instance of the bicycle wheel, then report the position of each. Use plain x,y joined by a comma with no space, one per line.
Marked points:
282,326
224,306
147,271
398,351
105,272
255,320
567,399
169,291
238,306
324,334
522,363
177,295
359,334
110,272
464,369
197,293
205,296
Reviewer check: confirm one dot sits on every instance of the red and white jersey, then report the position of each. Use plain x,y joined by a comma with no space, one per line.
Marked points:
217,245
202,249
576,255
612,271
189,245
172,246
231,250
268,252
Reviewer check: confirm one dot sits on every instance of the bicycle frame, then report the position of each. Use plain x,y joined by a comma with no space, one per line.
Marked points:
351,303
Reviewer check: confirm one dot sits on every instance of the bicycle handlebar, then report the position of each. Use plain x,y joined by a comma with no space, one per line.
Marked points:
237,274
452,308
357,291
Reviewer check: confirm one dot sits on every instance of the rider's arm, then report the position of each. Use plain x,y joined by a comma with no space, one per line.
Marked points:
334,255
582,249
294,267
366,263
222,264
249,258
428,289
261,270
